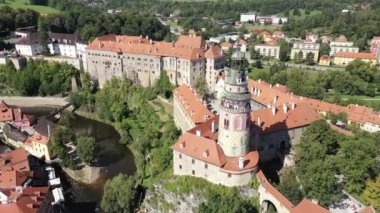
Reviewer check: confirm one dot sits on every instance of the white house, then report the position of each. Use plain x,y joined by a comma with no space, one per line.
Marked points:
269,50
248,17
29,46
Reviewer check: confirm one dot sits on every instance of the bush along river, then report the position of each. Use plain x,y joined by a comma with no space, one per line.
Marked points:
113,157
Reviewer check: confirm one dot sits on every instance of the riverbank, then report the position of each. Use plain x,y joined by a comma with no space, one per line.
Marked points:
35,101
87,175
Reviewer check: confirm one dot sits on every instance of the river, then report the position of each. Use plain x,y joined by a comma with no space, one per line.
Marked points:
114,157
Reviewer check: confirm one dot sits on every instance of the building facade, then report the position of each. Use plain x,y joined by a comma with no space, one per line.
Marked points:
268,50
142,60
305,48
344,58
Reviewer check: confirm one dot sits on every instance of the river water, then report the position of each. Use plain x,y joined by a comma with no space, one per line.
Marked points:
114,157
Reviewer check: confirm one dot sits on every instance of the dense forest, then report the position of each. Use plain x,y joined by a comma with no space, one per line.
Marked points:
86,22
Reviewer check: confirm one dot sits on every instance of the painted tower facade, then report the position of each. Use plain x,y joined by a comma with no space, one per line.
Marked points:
234,122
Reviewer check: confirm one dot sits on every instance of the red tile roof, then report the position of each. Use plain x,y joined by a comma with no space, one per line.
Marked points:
187,47
14,160
369,209
226,44
307,206
11,179
355,55
273,191
324,58
200,148
214,52
6,113
268,94
293,118
193,106
27,201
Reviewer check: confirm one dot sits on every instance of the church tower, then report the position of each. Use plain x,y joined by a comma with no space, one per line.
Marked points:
234,120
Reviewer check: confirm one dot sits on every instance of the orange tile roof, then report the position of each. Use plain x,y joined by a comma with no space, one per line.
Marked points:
14,160
307,206
196,147
369,209
268,94
251,160
324,58
186,47
194,107
293,118
340,130
273,191
355,55
11,179
27,201
6,113
214,52
37,138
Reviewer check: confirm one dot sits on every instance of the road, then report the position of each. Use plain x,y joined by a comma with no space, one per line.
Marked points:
304,66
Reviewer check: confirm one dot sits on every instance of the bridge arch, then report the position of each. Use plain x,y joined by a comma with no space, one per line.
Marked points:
268,207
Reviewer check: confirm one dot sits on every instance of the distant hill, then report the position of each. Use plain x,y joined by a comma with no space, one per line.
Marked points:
25,4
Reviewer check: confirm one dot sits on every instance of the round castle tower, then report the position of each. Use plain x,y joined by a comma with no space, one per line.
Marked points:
234,120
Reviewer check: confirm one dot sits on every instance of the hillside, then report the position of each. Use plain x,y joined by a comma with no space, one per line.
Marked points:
24,4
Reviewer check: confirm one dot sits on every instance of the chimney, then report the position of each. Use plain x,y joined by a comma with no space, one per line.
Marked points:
213,126
293,105
277,85
146,37
198,132
270,85
150,41
273,110
259,121
241,162
259,81
285,107
48,129
275,99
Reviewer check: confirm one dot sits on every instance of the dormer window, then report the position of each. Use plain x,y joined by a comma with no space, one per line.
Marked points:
182,145
205,154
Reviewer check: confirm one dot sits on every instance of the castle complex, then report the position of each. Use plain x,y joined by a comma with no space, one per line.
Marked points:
218,149
142,60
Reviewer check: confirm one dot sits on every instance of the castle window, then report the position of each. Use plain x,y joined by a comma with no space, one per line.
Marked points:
180,156
226,123
180,166
206,166
193,161
229,175
193,172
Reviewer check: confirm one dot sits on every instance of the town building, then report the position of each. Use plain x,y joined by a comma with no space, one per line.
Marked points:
279,35
344,58
375,48
218,149
271,50
305,48
15,116
67,46
142,60
188,108
341,44
214,65
248,17
14,169
325,60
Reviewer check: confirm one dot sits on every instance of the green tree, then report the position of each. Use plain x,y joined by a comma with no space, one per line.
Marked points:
43,33
255,55
298,59
351,153
201,86
163,85
289,186
86,149
119,194
310,58
324,49
296,12
371,194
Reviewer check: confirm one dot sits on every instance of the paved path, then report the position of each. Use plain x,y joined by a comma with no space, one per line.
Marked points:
34,101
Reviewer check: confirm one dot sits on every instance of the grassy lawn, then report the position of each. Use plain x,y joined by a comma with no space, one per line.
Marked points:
303,15
251,27
362,97
24,4
163,109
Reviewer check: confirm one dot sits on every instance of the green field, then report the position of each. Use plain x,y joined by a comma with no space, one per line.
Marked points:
24,4
303,15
